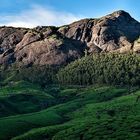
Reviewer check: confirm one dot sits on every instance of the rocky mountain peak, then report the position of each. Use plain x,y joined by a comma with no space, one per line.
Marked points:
114,32
51,45
120,13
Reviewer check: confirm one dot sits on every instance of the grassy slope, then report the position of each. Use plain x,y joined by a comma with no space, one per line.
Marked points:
78,109
22,97
114,119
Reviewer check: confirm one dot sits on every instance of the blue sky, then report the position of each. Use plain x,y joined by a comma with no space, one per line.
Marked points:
31,13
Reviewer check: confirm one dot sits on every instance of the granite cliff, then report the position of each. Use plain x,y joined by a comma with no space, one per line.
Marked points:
42,45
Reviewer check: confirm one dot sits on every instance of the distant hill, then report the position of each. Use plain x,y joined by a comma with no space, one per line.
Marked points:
42,45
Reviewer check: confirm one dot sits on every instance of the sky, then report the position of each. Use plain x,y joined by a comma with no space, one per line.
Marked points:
32,13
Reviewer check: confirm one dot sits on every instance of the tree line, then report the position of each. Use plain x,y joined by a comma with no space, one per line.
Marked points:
104,68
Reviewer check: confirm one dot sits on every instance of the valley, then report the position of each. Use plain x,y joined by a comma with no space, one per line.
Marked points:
73,113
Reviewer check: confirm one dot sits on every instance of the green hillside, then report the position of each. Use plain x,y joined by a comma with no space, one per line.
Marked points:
76,114
22,97
94,98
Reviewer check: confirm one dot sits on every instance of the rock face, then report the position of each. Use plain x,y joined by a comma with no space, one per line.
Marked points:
39,46
136,47
60,45
114,32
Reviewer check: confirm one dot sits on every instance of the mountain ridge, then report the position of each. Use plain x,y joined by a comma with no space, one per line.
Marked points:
52,45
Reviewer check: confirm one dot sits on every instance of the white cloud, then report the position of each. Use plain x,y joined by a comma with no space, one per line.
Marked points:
38,16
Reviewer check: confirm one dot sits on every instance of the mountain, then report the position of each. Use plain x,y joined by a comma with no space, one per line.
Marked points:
116,31
42,45
95,97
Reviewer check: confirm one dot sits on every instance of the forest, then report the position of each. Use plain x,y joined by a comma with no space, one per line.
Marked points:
97,69
110,69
